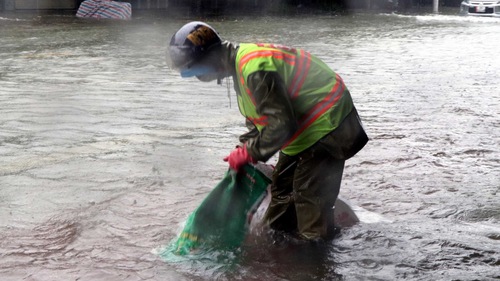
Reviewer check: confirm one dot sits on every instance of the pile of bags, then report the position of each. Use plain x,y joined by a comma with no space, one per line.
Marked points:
105,9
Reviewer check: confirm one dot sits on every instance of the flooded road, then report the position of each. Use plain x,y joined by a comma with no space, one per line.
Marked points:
104,151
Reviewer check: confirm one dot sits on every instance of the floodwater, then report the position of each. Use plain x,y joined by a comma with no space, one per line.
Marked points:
104,151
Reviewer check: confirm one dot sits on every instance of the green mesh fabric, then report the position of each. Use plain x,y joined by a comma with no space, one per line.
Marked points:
221,221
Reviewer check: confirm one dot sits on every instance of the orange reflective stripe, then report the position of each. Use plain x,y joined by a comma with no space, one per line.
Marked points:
301,72
320,108
262,121
287,58
277,46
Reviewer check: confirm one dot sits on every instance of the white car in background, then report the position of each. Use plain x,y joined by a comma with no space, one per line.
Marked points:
489,8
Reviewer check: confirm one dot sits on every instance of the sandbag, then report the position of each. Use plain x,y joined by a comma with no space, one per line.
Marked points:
221,221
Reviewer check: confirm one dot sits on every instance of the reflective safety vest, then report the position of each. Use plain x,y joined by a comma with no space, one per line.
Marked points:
319,97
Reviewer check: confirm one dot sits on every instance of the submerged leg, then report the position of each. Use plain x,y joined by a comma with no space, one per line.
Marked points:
280,214
316,186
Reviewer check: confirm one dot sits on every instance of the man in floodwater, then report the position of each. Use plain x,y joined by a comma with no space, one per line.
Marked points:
293,103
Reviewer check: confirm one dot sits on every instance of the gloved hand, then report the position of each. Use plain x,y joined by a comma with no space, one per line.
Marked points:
238,158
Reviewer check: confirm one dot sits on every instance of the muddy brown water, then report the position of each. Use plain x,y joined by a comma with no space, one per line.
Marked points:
104,151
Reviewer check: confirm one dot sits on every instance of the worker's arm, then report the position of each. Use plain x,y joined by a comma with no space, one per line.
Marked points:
273,102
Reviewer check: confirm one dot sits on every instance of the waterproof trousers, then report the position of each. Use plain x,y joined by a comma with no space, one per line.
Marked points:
304,189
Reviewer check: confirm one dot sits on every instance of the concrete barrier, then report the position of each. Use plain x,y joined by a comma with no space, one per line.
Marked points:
43,4
8,5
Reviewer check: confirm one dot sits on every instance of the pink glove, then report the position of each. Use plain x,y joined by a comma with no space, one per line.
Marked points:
238,158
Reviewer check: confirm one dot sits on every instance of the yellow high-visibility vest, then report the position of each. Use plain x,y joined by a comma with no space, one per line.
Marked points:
319,97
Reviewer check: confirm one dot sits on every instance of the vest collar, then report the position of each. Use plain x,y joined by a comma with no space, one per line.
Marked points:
229,51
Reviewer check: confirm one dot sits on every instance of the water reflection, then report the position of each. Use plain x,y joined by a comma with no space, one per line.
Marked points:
104,152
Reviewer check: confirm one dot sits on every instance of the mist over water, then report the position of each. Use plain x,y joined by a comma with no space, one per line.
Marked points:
104,151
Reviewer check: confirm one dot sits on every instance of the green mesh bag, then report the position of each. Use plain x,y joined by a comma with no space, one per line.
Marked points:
221,221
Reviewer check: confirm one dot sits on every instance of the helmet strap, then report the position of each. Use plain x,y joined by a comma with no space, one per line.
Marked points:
228,91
